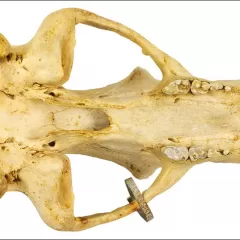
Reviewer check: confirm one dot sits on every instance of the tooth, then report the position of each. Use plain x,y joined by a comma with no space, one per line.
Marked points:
177,87
185,86
205,86
185,82
196,153
213,153
178,82
210,153
226,152
171,89
176,153
199,87
196,84
216,86
227,88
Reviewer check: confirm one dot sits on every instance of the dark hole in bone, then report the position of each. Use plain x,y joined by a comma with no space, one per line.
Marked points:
9,57
3,148
52,94
176,100
52,144
100,119
17,179
25,68
19,57
172,139
10,96
103,96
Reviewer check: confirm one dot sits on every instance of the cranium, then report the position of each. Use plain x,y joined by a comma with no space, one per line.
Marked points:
139,123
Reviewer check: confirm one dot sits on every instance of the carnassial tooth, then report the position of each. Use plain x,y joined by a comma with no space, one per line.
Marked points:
176,153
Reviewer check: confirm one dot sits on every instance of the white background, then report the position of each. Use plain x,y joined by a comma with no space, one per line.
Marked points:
205,38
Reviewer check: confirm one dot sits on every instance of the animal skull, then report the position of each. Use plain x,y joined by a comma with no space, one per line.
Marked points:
139,123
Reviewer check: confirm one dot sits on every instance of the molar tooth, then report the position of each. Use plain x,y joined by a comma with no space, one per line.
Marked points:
171,89
185,86
176,153
196,153
177,87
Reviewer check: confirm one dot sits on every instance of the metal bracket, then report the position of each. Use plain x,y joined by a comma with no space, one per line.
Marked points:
135,195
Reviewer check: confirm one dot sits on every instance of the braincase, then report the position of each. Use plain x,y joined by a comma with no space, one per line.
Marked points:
47,58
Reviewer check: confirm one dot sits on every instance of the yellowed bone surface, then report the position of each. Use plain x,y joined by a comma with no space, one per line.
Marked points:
139,123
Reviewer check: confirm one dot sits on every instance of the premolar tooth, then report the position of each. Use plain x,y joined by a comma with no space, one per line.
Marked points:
205,86
226,152
196,153
210,153
220,86
227,88
213,153
176,153
216,86
199,87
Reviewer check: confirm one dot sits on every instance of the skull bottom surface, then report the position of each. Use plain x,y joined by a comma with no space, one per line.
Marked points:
139,123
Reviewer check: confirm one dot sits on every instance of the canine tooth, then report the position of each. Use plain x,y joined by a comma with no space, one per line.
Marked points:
176,153
196,153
